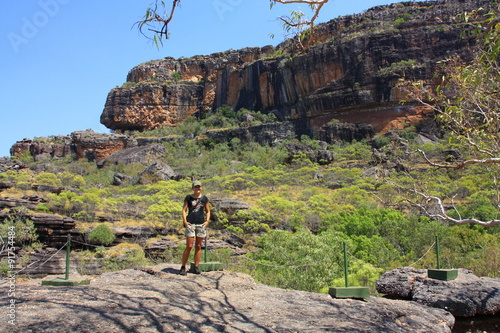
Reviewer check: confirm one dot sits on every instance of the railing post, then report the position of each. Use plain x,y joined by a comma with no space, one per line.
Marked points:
205,253
68,250
437,253
346,267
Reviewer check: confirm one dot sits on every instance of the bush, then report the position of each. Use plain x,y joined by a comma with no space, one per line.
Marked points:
24,229
47,178
102,235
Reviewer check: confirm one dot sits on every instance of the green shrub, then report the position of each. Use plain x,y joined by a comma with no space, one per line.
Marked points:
23,227
399,21
47,178
102,235
176,76
43,208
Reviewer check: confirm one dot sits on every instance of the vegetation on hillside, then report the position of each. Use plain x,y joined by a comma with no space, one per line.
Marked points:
303,212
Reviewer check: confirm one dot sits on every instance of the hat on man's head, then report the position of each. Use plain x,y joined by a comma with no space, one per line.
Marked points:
196,183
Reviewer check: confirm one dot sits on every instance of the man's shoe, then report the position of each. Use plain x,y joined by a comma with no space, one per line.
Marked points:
195,270
183,271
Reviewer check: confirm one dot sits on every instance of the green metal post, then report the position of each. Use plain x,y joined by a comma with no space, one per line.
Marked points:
206,236
68,249
346,269
437,253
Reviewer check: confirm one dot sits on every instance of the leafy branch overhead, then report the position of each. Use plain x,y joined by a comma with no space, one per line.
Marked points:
297,22
160,13
156,20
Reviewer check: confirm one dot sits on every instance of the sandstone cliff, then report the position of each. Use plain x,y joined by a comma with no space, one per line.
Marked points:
350,74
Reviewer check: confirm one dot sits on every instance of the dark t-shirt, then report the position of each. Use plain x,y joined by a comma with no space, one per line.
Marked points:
196,209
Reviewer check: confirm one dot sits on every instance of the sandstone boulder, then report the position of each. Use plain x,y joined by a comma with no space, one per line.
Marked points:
466,296
162,244
48,261
214,244
156,172
127,233
141,154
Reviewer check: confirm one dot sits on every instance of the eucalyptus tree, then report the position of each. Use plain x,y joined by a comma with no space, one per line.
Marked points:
467,105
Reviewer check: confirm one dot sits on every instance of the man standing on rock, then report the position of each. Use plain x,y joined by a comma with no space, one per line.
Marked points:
195,214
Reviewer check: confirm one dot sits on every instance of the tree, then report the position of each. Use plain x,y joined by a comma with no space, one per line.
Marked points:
467,104
160,13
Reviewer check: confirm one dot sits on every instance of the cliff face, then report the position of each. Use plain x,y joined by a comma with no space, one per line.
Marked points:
350,74
83,144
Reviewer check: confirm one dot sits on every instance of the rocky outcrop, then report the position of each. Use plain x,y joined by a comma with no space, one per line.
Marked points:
97,146
49,261
43,147
144,155
351,75
466,296
11,164
121,148
82,144
321,156
345,132
10,203
158,171
158,299
52,230
264,134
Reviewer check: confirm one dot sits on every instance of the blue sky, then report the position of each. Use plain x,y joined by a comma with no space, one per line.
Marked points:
60,58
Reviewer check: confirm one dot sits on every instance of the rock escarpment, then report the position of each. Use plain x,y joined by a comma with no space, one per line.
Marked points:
351,74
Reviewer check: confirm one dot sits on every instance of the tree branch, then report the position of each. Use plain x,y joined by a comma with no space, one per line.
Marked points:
460,165
151,17
315,5
440,212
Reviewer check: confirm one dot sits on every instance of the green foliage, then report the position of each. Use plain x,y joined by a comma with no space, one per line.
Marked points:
384,237
176,76
396,69
15,177
360,274
83,216
297,261
400,20
47,178
163,211
119,257
102,235
70,179
353,151
23,227
43,208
